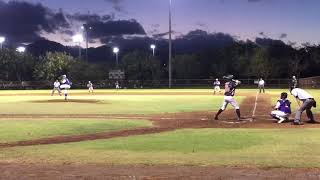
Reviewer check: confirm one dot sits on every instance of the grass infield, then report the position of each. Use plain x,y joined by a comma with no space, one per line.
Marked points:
216,147
18,130
114,102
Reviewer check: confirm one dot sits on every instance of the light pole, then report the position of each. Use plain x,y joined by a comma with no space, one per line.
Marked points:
2,40
170,44
153,47
21,49
78,38
86,29
116,52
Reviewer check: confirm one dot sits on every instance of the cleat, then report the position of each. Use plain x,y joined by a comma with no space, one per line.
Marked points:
216,118
297,123
312,122
281,120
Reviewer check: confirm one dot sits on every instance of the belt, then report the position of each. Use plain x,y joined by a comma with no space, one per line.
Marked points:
308,99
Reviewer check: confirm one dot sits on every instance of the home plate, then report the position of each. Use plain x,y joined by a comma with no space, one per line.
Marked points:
244,120
234,122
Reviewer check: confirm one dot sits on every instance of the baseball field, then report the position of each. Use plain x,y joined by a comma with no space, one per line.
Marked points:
152,134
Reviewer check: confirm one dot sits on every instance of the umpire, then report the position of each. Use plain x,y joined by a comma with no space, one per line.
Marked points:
308,102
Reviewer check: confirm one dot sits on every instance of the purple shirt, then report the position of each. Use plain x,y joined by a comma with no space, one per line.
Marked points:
66,81
284,105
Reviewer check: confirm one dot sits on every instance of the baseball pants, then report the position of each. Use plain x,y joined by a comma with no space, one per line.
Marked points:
261,89
279,114
307,105
55,89
217,89
231,100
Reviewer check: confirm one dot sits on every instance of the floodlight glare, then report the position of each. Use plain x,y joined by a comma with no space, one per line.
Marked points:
21,49
2,40
78,38
152,46
116,50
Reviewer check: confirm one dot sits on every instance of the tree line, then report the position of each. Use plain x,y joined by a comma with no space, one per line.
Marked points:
273,59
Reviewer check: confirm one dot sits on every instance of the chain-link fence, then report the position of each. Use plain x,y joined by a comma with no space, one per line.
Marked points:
138,84
311,82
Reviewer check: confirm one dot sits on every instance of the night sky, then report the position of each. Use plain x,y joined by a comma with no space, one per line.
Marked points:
289,20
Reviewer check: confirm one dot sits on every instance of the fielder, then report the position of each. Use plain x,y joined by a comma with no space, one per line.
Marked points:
230,88
261,84
308,103
66,85
117,85
282,110
90,86
294,82
56,87
216,86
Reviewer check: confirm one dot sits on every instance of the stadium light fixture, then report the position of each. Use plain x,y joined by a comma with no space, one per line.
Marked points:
116,52
78,39
21,49
2,40
85,29
153,47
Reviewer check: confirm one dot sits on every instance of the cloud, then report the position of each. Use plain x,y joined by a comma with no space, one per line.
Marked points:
117,5
201,24
102,29
22,22
283,35
263,34
90,17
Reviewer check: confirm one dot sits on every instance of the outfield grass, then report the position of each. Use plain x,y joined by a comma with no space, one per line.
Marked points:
18,130
12,102
217,147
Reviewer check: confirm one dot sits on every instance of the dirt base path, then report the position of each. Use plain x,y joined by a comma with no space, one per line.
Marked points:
73,172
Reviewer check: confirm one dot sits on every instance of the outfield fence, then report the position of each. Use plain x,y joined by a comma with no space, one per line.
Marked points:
310,82
138,84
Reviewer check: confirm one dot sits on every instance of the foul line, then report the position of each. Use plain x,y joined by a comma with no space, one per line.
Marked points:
255,106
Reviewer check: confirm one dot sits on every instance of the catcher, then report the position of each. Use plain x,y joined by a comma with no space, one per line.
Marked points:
230,88
282,109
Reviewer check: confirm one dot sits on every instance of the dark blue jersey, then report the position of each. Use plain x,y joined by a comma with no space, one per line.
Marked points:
284,105
230,88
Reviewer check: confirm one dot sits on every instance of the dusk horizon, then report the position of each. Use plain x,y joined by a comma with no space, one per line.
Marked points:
289,21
